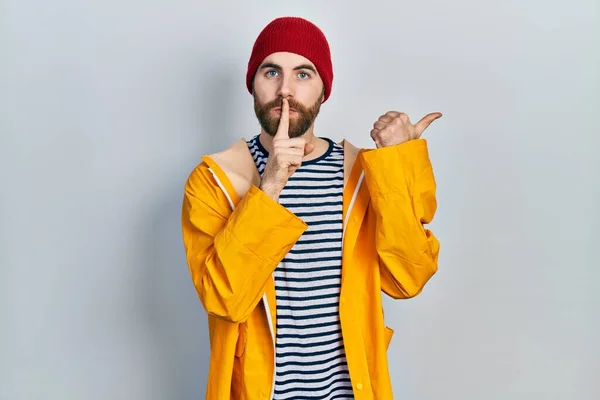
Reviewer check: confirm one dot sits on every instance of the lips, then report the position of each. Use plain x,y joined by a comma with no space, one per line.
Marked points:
278,109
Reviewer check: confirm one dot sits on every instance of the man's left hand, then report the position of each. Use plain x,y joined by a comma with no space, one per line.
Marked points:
395,127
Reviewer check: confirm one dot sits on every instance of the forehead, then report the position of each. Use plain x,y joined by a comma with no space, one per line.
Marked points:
287,60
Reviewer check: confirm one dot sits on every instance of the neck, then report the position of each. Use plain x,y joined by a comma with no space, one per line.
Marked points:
321,145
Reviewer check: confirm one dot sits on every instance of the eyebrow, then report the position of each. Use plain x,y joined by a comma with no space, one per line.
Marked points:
275,66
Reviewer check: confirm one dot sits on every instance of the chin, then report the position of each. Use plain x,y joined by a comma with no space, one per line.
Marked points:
297,134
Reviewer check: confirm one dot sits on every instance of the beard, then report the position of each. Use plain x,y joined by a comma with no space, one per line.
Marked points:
298,126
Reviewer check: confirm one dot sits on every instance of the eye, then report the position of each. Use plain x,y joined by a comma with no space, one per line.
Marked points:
304,75
271,73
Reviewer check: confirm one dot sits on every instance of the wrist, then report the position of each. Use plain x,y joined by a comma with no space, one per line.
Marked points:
271,191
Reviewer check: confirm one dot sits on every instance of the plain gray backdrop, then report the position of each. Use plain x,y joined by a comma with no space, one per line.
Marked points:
106,106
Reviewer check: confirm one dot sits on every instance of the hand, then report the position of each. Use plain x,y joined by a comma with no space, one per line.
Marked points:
285,157
394,128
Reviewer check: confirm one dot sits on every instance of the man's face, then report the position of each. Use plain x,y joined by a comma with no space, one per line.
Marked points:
294,77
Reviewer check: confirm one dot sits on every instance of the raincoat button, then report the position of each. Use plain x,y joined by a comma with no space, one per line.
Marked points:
359,386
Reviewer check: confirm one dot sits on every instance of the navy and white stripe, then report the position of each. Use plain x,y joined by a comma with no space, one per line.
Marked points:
310,358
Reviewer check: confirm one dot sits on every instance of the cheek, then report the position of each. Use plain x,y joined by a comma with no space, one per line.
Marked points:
308,95
266,83
317,93
263,96
259,92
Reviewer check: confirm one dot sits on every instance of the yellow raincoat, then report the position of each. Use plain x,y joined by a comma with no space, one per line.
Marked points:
235,236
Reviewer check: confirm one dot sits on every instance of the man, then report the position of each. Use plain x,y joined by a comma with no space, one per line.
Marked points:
291,238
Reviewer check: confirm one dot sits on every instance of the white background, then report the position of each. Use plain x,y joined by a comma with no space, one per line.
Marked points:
106,106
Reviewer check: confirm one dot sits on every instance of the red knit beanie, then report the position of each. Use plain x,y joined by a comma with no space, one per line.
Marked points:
294,35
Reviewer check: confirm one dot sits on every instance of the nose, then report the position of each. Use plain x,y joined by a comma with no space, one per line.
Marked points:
286,88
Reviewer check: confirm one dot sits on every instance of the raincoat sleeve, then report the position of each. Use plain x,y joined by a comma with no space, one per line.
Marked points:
402,189
232,253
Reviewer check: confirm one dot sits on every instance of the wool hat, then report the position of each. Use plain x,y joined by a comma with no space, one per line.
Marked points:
295,35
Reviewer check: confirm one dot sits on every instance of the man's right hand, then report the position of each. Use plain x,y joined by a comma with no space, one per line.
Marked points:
285,157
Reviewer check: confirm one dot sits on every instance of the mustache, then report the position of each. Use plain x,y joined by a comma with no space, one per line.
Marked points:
279,103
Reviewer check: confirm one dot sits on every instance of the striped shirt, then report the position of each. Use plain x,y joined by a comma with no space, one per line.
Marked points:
310,361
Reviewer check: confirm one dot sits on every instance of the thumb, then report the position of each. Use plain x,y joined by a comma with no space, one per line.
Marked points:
308,148
284,121
425,122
